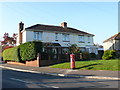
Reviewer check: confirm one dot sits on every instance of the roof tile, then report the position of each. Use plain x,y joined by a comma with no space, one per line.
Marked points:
56,28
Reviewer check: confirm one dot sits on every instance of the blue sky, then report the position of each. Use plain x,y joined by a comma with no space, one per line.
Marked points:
98,18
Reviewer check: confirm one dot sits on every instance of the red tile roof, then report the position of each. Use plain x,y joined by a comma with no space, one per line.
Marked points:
38,27
114,37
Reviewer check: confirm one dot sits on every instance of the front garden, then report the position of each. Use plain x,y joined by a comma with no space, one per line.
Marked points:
109,61
112,65
28,51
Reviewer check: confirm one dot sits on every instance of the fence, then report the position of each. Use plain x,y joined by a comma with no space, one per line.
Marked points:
50,59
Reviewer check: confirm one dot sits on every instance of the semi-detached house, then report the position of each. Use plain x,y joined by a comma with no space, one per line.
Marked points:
60,36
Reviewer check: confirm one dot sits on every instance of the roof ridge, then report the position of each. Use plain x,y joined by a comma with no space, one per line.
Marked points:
76,30
112,37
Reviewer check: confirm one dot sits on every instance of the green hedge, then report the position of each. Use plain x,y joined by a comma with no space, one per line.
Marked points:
29,50
11,54
109,54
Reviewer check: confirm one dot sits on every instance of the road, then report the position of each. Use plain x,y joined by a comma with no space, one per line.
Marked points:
17,79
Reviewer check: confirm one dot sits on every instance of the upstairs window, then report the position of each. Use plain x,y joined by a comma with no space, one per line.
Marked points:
56,36
81,38
88,39
37,35
66,37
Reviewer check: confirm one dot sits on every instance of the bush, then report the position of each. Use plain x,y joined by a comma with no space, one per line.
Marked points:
85,55
11,54
100,54
74,49
118,54
109,54
93,56
29,50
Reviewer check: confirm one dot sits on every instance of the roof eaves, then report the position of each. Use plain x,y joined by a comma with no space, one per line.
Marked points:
111,38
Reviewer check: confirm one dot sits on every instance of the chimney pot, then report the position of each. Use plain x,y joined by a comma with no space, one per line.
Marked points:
64,24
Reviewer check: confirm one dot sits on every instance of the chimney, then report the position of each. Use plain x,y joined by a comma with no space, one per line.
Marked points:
21,27
64,24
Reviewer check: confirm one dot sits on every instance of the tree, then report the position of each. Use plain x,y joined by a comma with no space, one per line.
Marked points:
74,49
9,41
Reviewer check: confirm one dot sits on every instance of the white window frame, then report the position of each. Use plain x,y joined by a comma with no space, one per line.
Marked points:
56,36
37,35
81,38
89,39
66,37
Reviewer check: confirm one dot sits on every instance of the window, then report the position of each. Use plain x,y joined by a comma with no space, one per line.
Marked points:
88,39
37,35
66,37
81,38
56,36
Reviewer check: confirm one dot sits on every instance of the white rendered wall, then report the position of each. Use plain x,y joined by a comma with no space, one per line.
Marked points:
108,44
50,37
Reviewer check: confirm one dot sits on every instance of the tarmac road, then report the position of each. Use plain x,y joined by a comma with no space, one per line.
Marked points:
17,79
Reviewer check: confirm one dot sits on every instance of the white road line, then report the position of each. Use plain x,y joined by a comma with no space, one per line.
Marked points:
20,80
33,83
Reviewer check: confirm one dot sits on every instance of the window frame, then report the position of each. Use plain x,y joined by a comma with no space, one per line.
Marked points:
88,39
66,37
81,38
37,35
56,37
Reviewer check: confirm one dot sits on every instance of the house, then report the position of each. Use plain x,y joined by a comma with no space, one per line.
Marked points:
112,43
57,36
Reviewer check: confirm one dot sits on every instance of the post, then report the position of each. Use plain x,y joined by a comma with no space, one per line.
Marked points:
81,56
72,61
38,59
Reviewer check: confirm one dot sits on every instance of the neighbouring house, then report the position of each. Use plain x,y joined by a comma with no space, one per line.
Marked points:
57,36
112,43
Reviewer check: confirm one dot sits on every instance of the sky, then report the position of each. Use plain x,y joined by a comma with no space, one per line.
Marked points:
98,18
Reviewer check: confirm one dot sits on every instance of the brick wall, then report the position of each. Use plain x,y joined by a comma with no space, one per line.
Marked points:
34,63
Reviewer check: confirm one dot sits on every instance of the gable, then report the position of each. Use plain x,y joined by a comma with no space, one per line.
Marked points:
114,37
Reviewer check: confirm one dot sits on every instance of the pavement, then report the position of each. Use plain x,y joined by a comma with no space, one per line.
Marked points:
94,74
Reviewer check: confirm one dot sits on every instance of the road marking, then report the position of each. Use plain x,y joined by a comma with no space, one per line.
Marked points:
20,80
33,83
61,75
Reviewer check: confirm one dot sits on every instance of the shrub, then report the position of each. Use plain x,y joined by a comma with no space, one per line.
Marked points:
74,49
100,54
11,54
118,54
93,56
85,55
29,50
109,54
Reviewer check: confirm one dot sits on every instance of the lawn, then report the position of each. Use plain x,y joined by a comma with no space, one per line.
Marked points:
91,65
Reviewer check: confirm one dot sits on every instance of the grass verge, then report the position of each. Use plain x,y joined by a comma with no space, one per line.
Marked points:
112,65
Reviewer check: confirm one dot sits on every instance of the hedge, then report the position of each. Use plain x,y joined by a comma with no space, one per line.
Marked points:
29,50
11,54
